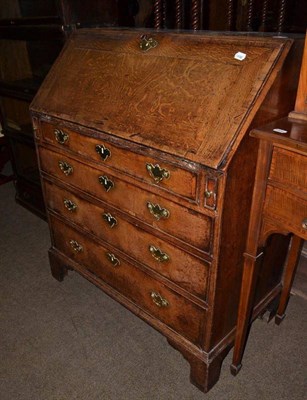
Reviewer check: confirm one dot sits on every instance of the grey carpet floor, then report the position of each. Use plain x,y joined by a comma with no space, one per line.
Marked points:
67,341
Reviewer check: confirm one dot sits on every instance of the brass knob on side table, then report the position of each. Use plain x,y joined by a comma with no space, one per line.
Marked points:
304,223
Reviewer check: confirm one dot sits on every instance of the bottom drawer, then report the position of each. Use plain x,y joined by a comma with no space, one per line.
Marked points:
146,292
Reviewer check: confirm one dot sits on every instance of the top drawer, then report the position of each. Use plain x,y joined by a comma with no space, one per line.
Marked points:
289,168
153,171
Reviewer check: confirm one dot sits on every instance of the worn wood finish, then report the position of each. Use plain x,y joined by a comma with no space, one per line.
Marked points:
192,119
279,206
177,224
154,113
191,273
180,314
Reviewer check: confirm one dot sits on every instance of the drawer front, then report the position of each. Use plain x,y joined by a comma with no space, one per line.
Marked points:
133,200
169,177
187,271
146,292
289,209
290,169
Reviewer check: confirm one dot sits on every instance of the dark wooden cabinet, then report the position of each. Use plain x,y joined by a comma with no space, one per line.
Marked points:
32,34
148,170
31,37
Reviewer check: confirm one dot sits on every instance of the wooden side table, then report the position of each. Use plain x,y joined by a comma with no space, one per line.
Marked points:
279,206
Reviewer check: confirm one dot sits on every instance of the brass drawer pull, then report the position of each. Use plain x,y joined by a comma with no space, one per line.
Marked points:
61,136
304,223
157,173
158,254
103,151
70,205
66,168
157,211
106,182
113,260
159,300
208,194
76,246
109,219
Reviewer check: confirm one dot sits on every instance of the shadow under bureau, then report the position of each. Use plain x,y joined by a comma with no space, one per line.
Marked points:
148,170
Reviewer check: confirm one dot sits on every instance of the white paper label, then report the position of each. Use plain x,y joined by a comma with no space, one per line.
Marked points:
277,130
240,56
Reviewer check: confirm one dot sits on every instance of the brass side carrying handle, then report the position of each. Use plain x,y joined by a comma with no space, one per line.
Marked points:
110,220
304,223
158,254
107,183
70,205
61,136
113,259
157,173
159,300
157,211
147,43
66,168
103,151
76,246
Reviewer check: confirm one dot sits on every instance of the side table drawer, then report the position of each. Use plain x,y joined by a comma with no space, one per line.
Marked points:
290,169
291,210
167,176
147,293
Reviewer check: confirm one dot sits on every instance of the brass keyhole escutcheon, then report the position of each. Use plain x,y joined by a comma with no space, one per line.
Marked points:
147,43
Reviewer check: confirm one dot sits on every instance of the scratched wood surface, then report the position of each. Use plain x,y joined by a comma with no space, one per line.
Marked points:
182,315
189,103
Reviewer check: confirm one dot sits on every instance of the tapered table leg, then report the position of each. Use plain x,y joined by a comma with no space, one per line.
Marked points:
290,269
249,281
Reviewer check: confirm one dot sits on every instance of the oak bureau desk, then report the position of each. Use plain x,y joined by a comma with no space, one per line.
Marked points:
148,170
